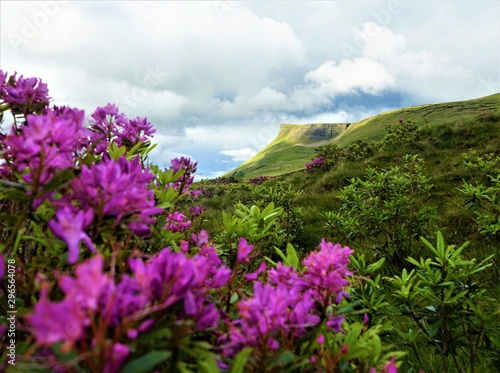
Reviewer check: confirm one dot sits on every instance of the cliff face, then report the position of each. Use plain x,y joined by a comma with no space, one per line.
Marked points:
308,133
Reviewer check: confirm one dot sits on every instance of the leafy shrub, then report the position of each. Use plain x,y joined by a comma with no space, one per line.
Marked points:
402,133
447,305
362,149
327,157
483,196
385,212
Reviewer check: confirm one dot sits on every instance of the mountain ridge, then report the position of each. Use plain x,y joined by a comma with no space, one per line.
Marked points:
294,144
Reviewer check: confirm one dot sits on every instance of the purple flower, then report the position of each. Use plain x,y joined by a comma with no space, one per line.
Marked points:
177,222
321,339
326,271
124,300
117,190
208,318
25,95
269,315
253,276
116,356
108,122
86,288
44,146
286,275
53,322
70,227
366,319
176,279
184,182
390,367
335,323
3,81
134,131
196,210
244,250
202,238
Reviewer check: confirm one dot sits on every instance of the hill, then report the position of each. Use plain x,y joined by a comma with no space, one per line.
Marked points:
294,145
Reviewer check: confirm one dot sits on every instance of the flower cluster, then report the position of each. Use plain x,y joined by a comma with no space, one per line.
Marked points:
258,180
177,222
173,278
316,164
92,300
23,95
290,302
45,145
111,125
184,182
117,189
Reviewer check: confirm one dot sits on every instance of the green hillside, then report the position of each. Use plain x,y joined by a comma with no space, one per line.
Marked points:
294,145
442,175
287,152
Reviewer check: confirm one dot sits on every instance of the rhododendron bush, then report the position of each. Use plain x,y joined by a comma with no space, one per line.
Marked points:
110,275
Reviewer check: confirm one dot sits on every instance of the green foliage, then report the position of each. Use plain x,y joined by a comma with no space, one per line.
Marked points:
331,154
291,259
483,196
290,222
255,224
358,349
402,133
485,200
367,287
385,212
445,302
362,149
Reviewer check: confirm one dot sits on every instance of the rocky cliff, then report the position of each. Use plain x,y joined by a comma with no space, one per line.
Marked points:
310,133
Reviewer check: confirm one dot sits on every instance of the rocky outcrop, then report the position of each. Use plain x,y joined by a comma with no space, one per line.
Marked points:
316,132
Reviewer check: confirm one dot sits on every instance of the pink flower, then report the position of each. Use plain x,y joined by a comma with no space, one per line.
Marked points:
253,276
70,227
53,322
244,250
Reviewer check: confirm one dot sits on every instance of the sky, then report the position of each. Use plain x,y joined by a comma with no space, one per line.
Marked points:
216,79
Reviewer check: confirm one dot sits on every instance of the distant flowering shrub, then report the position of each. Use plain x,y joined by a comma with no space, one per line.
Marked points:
317,164
112,277
326,158
258,180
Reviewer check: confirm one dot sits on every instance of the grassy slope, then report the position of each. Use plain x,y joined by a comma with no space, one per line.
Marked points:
288,153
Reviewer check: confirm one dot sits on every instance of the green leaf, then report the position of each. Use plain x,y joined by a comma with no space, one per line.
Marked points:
292,256
375,266
286,357
280,253
147,362
270,261
240,360
234,298
59,179
209,364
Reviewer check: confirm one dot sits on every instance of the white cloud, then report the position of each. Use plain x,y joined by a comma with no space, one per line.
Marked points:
239,155
346,77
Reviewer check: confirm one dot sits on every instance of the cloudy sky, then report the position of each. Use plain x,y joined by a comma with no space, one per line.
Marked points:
217,78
